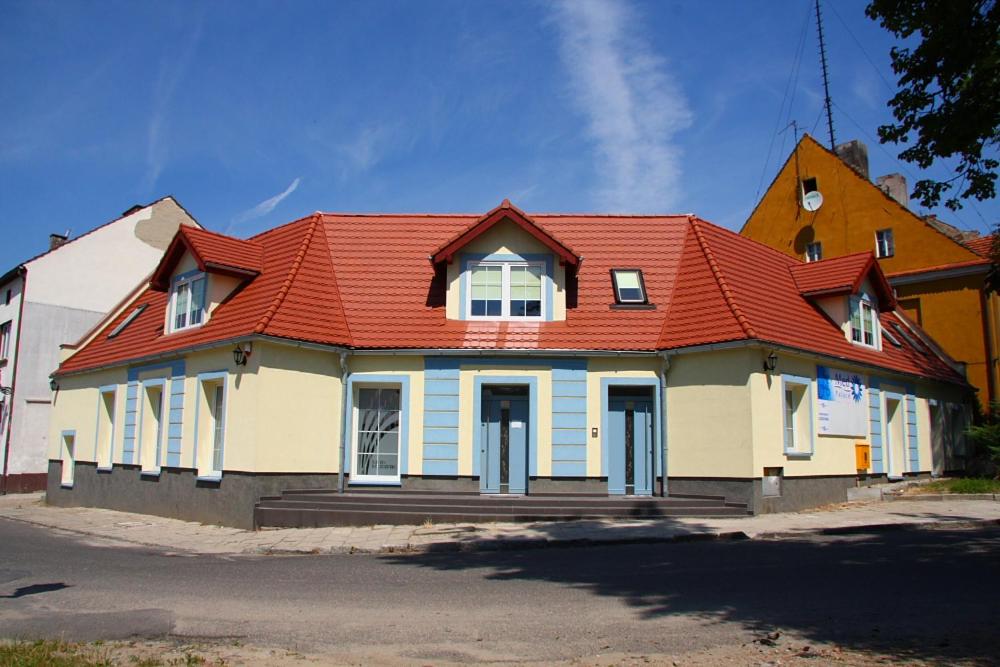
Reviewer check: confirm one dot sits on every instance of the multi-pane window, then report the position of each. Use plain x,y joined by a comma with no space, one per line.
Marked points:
188,302
814,252
629,286
884,246
4,340
218,433
377,451
487,291
505,289
526,291
863,318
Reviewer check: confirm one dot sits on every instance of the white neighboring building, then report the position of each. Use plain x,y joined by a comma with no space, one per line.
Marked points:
56,298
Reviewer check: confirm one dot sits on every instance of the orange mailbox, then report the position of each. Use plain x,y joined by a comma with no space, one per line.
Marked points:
863,455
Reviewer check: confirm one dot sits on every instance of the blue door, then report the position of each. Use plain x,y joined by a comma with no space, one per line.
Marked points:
630,445
504,440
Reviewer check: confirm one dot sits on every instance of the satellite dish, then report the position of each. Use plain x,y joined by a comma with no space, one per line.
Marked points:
811,201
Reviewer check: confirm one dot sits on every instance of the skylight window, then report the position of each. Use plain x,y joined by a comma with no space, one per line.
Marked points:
128,320
629,286
892,339
919,347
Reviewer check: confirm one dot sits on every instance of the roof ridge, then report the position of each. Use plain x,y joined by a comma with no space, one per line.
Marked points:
293,270
336,284
224,236
727,293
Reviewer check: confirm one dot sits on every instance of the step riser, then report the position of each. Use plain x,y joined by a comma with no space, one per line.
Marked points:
494,501
605,508
320,519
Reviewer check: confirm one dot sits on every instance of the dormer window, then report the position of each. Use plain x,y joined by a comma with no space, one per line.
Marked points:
884,245
506,290
864,322
187,302
628,285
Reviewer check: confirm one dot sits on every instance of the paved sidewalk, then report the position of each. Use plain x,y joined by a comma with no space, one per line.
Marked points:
184,536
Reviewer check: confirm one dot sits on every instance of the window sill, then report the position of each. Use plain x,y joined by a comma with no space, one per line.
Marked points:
214,477
798,455
66,485
105,468
632,306
363,482
149,473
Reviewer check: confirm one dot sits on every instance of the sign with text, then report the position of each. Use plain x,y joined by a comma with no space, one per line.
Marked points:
841,402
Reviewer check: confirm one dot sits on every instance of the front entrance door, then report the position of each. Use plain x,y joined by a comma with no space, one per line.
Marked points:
630,441
504,440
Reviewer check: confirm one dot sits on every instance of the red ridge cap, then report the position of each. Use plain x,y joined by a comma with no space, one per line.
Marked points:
727,293
292,271
505,210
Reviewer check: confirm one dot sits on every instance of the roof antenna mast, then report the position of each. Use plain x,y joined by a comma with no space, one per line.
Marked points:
826,76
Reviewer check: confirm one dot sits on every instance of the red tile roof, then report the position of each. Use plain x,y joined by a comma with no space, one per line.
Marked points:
843,275
213,252
364,281
982,245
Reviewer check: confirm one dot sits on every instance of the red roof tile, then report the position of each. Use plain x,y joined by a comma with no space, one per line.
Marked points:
364,281
213,252
842,275
982,245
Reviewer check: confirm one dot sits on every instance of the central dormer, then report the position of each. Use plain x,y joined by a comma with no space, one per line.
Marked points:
506,267
199,270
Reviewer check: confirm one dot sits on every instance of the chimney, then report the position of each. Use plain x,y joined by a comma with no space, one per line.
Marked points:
855,155
56,240
894,185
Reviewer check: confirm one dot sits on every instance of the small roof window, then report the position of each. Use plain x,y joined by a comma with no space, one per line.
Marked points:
127,321
629,285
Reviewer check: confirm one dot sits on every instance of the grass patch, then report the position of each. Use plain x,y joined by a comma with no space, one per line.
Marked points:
49,653
963,485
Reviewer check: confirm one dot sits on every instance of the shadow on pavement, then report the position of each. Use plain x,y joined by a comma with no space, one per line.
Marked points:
34,589
904,592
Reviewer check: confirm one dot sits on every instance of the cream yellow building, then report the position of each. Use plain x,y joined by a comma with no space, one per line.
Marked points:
506,355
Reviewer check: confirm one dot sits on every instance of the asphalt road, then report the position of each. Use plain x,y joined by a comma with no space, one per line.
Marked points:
929,593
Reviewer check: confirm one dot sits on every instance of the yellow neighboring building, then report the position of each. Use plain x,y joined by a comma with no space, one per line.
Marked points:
822,205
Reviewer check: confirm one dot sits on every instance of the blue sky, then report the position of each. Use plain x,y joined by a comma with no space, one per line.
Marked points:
253,114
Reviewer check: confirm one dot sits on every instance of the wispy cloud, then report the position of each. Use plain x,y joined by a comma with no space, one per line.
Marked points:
368,147
172,70
632,104
263,208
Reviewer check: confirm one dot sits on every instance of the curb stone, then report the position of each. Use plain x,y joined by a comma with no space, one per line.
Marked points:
943,496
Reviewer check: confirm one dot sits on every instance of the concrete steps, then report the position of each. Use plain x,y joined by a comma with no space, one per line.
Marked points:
305,508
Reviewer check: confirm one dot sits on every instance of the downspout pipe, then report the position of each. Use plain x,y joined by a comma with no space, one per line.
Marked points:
345,374
664,370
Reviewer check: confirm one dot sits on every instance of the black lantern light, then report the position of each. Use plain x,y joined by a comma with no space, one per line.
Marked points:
241,353
771,362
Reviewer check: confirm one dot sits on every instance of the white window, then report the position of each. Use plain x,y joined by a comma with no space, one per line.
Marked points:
376,434
4,340
814,252
884,246
210,418
864,322
505,290
797,421
219,431
629,286
105,429
187,302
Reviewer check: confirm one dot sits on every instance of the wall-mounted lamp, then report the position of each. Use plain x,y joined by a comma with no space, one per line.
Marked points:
771,362
53,384
6,391
241,353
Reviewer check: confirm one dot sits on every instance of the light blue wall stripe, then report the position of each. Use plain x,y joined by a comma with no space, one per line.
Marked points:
568,453
441,452
441,436
561,420
564,389
433,467
911,431
439,419
447,387
875,425
567,436
569,469
131,403
176,407
441,404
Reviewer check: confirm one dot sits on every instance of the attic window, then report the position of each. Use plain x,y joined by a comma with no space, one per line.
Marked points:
629,286
884,245
809,185
187,302
127,321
